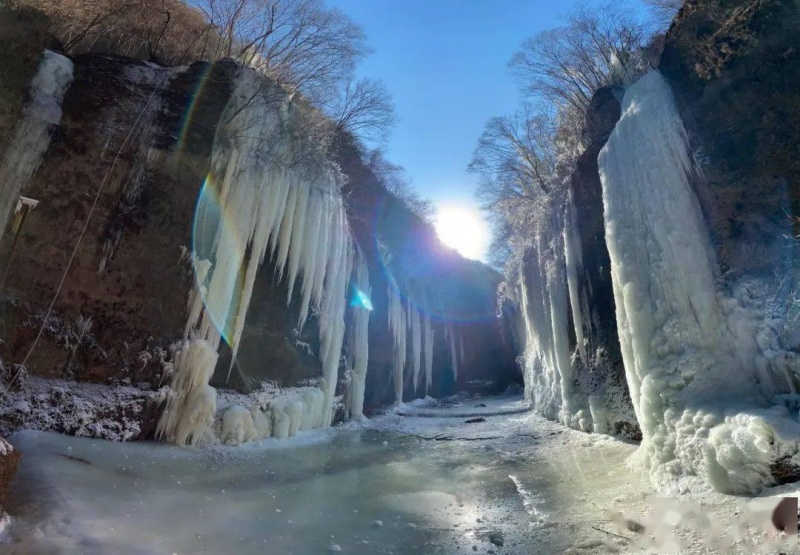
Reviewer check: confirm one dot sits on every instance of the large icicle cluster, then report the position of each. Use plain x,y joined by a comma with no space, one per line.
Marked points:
699,387
405,318
547,362
277,193
32,134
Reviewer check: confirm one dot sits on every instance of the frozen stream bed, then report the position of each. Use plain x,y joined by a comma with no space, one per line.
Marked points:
436,484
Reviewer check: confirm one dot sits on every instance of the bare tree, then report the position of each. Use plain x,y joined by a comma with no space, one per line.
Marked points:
395,180
302,44
515,158
664,11
365,109
166,31
567,65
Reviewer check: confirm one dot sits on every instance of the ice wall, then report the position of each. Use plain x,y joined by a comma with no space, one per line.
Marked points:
688,346
32,135
277,193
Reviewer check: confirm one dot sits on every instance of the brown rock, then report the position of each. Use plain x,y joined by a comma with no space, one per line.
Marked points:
9,460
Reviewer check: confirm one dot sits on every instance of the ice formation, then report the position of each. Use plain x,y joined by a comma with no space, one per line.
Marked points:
32,134
545,310
416,345
428,336
278,192
573,258
359,346
451,341
191,404
690,354
398,328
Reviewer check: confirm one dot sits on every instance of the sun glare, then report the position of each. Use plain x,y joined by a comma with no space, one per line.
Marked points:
464,230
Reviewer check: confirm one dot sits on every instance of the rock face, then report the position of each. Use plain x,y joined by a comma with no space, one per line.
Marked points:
735,70
138,138
9,460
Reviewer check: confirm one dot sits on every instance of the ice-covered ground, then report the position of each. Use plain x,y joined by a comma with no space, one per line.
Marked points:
436,484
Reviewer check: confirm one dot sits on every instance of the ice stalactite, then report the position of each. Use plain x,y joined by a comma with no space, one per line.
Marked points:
688,349
359,346
276,190
32,134
428,336
416,344
574,260
398,328
451,341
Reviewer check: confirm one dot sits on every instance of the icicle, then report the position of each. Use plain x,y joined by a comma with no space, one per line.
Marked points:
360,342
416,345
298,246
286,230
268,201
31,137
451,339
397,326
429,338
573,256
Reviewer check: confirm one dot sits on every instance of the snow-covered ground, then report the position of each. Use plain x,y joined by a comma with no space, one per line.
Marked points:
435,484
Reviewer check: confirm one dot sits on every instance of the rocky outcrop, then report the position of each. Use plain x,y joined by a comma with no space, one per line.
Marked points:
9,460
735,70
133,149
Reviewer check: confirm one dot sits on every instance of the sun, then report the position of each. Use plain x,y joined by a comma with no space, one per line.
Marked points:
464,230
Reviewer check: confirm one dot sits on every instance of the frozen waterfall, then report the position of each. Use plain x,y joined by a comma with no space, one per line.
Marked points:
276,191
688,349
32,134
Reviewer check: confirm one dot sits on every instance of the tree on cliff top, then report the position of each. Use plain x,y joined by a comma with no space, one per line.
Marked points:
523,161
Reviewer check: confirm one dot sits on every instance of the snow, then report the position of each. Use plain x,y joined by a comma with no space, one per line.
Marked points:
32,134
80,409
689,348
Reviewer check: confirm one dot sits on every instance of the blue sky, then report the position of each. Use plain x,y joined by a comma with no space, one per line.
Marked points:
445,64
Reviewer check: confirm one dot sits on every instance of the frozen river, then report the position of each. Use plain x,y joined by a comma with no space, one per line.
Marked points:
436,485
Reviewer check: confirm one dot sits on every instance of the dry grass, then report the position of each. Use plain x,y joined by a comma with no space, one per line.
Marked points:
168,32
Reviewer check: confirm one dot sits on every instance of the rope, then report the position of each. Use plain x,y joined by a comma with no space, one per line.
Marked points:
80,237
